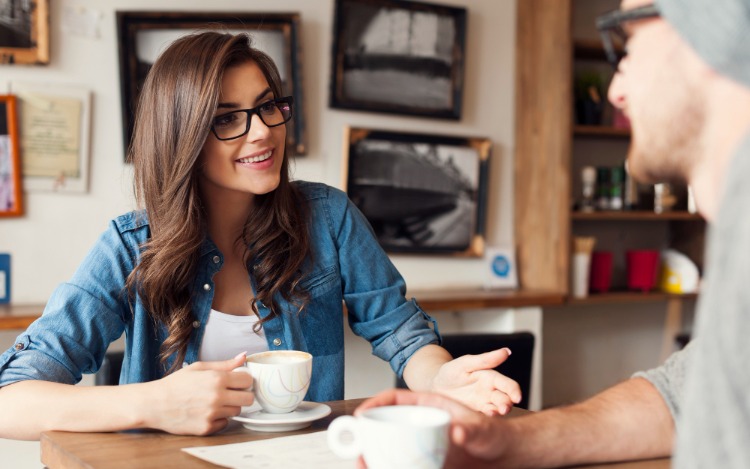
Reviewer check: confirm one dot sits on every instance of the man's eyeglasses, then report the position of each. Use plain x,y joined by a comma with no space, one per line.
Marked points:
613,34
235,124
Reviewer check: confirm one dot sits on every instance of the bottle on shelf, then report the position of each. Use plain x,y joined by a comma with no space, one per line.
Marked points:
664,198
602,188
588,185
631,196
616,177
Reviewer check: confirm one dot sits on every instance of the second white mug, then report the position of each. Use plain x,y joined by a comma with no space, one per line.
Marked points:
393,437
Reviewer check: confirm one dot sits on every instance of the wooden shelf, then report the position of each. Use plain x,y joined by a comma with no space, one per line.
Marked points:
600,131
468,299
635,215
18,316
629,297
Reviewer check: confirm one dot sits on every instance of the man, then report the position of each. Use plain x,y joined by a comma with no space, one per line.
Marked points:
685,84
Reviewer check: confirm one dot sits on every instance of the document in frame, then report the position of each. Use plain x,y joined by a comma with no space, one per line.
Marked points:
54,136
309,451
51,135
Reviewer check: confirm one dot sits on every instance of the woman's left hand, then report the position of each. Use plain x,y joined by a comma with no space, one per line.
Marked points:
471,379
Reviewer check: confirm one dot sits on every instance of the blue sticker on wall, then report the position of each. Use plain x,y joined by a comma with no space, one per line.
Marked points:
501,265
4,278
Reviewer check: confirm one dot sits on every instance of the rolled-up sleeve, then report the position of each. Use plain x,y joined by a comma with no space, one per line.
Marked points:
81,318
669,378
374,290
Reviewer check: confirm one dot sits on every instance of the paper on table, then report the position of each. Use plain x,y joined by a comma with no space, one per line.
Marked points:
309,450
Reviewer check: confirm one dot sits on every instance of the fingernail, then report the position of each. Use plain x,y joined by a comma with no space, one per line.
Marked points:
509,352
184,364
240,355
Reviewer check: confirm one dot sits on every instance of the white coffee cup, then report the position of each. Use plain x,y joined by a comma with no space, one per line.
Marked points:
280,378
393,437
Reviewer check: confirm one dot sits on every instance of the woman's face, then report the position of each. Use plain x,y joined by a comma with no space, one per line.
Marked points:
251,164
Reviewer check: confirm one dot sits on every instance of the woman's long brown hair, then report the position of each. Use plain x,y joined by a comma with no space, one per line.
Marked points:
173,117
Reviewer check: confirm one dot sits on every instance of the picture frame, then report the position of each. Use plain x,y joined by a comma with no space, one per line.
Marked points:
11,199
26,27
54,136
421,193
142,35
398,57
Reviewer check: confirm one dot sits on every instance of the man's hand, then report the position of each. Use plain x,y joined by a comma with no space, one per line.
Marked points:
476,439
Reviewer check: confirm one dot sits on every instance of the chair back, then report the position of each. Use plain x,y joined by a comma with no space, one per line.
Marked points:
109,372
517,366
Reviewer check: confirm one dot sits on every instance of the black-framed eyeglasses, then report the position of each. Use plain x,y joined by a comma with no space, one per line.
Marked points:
235,124
613,34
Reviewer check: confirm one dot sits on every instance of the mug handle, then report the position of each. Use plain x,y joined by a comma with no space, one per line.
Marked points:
339,426
244,369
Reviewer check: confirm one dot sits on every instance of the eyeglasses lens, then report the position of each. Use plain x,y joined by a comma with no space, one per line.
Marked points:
235,124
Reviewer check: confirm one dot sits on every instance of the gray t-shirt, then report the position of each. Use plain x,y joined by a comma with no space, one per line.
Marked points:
707,385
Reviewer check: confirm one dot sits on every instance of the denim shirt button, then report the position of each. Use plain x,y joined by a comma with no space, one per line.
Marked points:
277,341
196,324
207,287
216,259
19,346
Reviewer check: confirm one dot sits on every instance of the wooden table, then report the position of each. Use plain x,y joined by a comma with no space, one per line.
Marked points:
66,450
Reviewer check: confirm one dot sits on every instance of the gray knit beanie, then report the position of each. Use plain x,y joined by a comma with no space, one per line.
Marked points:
718,30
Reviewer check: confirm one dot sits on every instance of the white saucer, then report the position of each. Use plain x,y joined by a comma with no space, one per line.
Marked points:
260,421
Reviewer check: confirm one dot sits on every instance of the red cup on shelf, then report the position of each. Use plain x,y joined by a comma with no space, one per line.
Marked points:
600,278
643,267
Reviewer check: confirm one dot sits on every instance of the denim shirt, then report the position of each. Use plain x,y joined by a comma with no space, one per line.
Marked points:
85,315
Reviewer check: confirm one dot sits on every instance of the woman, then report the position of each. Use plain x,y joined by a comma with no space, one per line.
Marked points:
227,256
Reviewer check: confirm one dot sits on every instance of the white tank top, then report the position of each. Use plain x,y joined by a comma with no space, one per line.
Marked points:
227,335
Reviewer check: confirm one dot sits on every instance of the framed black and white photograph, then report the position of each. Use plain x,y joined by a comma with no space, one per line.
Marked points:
421,193
143,35
398,56
11,204
24,31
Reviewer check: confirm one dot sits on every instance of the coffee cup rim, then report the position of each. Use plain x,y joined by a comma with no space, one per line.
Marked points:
304,356
435,415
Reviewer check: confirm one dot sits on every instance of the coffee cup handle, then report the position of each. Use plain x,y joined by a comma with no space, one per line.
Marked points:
244,369
349,449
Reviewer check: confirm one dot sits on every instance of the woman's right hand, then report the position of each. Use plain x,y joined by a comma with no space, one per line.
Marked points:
200,398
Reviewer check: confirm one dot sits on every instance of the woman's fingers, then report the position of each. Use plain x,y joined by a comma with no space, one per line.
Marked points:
483,361
508,387
223,365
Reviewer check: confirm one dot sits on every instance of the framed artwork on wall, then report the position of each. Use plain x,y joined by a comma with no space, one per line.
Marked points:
421,193
143,35
11,203
24,32
399,57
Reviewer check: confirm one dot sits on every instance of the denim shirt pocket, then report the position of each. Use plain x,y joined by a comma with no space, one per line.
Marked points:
322,319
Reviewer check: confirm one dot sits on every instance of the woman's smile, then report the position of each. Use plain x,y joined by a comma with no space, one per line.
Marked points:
257,158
